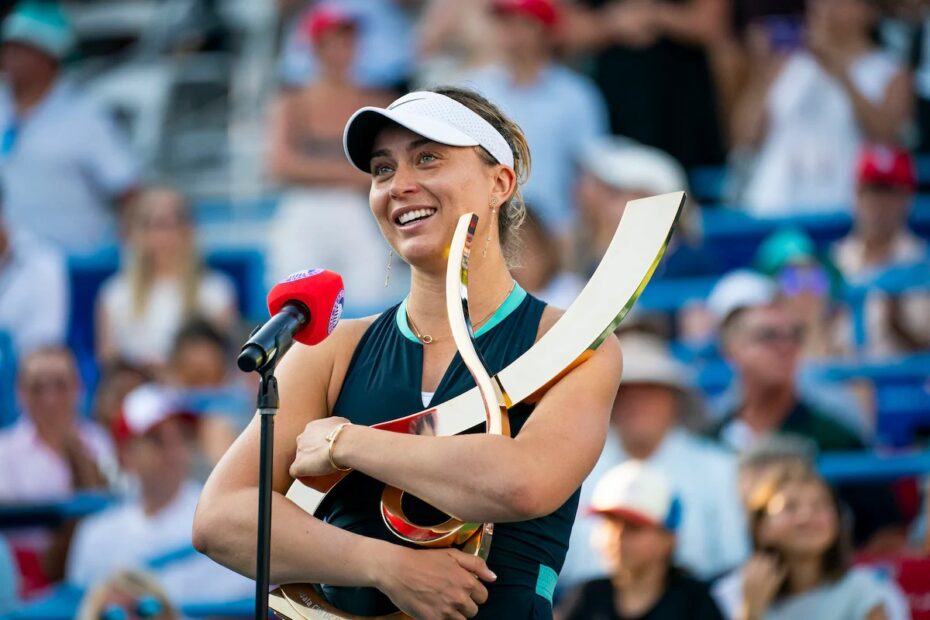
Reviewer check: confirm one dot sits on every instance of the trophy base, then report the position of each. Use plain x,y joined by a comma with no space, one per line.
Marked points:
301,601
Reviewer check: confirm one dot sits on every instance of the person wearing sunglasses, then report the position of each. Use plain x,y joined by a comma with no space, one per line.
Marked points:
127,595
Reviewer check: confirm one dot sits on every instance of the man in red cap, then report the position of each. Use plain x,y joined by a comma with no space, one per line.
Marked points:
152,528
560,111
886,181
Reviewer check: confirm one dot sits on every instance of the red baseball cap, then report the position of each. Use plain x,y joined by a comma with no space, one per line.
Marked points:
146,407
880,164
545,11
325,17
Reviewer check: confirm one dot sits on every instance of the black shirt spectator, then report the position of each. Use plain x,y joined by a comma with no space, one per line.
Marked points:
685,598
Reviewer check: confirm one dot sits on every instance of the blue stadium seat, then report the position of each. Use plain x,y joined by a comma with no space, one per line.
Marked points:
7,380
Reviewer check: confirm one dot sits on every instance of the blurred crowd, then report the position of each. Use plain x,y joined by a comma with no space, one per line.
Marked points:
707,501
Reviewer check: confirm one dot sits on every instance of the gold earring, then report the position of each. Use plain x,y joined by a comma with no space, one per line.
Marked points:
484,253
387,275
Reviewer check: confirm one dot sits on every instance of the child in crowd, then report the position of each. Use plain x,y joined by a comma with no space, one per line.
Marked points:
641,514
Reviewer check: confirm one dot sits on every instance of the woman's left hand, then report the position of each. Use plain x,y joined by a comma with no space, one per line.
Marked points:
313,450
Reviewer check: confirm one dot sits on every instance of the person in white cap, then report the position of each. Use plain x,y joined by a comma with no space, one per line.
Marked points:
640,515
62,161
655,418
617,170
433,156
152,529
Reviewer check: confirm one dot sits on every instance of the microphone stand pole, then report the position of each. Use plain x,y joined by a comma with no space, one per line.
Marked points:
267,408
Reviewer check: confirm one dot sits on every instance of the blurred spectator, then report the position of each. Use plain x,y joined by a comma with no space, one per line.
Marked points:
654,406
61,159
540,269
880,240
801,567
200,369
153,529
640,514
124,595
808,287
324,211
742,290
617,171
766,459
763,343
160,284
453,38
47,455
385,44
560,111
806,111
33,290
634,42
9,579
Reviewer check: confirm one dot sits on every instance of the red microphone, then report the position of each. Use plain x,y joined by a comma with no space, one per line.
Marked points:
305,306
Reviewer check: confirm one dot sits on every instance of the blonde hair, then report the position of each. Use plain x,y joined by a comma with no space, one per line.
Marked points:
138,271
133,582
513,211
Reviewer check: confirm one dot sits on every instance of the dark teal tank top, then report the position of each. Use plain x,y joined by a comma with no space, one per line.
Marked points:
383,383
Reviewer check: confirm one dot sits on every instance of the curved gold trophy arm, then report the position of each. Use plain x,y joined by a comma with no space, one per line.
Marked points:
624,271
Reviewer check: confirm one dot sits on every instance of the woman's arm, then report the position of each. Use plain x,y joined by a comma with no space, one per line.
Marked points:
289,165
430,584
487,477
883,121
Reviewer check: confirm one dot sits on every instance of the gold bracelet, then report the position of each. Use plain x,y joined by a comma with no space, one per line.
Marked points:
331,440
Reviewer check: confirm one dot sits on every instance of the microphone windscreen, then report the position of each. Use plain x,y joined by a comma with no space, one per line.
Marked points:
321,291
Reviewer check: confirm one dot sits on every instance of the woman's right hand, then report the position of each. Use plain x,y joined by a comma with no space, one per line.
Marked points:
762,577
433,584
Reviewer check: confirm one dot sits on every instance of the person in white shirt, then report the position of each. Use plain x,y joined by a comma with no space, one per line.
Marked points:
153,529
62,161
805,114
801,564
654,405
560,111
33,291
161,284
886,180
47,455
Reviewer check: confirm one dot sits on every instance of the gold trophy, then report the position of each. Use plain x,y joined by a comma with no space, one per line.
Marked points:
630,260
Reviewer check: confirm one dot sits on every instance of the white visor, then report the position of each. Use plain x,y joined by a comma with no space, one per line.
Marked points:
431,115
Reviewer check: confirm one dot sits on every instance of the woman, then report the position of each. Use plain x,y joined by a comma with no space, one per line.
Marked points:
801,565
324,212
161,284
806,113
384,367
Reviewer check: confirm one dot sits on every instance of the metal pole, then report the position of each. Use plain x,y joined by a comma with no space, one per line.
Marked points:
267,408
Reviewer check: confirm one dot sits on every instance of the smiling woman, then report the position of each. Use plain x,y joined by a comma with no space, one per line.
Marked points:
432,157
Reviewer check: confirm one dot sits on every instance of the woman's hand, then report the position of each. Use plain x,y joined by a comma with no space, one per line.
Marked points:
433,584
313,450
762,577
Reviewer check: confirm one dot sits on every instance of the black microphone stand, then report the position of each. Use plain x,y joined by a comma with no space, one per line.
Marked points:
264,349
267,408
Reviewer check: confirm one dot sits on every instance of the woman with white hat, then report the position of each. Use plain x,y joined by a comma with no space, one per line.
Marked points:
432,156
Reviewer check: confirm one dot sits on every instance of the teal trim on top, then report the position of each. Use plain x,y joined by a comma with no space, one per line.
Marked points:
516,297
545,582
402,325
513,301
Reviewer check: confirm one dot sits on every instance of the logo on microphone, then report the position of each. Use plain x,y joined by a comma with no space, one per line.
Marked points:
337,311
300,275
